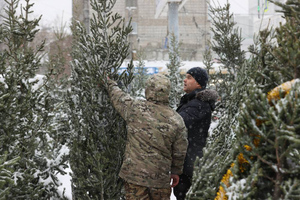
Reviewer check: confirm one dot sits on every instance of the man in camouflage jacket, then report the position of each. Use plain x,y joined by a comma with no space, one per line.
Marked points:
156,140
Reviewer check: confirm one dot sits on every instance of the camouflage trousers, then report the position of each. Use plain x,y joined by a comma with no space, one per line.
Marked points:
137,192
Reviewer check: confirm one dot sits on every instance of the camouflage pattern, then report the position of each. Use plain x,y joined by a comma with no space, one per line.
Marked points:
134,192
157,137
157,89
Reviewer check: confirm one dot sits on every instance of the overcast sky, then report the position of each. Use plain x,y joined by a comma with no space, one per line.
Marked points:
54,11
237,6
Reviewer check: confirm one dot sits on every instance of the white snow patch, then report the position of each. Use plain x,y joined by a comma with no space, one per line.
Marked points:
238,186
65,183
40,80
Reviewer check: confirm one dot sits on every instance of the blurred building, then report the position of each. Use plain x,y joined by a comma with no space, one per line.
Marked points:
2,5
150,30
265,14
262,14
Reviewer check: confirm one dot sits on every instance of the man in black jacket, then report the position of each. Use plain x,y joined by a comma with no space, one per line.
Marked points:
196,108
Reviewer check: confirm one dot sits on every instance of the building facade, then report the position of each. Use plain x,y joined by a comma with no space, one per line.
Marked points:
150,32
262,14
2,13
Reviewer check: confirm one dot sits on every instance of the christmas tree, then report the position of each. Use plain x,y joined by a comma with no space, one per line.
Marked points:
265,130
98,132
267,166
174,73
27,110
216,155
267,160
137,86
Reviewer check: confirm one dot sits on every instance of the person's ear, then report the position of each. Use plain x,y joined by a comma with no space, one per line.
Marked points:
199,86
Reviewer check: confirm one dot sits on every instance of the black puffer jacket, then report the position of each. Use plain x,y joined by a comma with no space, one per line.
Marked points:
196,109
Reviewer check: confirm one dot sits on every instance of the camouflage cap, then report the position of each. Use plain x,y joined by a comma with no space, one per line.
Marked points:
158,88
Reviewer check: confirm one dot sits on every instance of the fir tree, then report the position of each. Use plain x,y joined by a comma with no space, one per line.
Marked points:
137,87
217,156
287,36
268,139
226,43
174,73
275,50
267,164
6,174
207,61
98,132
26,109
58,84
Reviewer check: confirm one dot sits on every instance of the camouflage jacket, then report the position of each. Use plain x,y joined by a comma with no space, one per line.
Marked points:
156,139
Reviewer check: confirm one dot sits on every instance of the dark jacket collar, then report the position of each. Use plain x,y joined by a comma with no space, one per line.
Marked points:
189,96
205,95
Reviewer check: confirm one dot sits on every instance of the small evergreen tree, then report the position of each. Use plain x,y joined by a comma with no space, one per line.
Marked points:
226,43
217,156
58,84
270,167
98,132
26,109
137,87
267,164
174,73
287,36
207,61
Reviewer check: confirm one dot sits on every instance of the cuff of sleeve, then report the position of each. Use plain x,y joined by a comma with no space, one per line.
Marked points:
111,83
176,171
